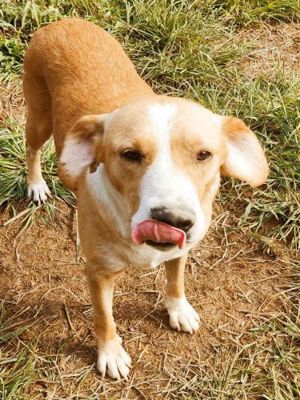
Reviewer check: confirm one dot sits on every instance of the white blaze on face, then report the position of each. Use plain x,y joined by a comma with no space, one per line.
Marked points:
164,184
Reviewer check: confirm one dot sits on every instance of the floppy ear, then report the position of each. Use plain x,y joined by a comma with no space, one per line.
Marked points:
245,157
82,148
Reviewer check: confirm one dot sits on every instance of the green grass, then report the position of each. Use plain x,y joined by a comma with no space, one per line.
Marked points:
190,49
194,49
13,167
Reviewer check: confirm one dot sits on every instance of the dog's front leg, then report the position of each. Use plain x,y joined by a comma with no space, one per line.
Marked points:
182,316
111,354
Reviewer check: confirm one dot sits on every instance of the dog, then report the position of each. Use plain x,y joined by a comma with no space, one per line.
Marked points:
145,167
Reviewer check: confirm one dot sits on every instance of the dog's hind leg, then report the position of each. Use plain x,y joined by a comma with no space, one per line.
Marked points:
38,130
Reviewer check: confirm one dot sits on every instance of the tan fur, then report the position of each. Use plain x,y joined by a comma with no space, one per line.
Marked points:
101,290
73,69
175,277
34,165
91,74
86,129
235,129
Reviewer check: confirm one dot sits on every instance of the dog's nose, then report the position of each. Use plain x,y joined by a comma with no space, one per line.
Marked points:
183,220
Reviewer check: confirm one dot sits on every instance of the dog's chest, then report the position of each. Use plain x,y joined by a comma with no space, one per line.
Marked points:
146,257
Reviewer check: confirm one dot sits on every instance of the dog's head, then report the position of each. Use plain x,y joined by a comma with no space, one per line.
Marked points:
164,157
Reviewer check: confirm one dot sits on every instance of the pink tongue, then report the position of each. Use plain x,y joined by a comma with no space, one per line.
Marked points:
158,232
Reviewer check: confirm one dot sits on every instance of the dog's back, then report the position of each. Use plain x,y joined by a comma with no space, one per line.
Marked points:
73,68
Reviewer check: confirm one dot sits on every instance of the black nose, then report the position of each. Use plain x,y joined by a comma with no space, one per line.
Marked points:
180,219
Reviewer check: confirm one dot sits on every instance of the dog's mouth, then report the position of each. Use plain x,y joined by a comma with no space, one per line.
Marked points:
163,246
158,235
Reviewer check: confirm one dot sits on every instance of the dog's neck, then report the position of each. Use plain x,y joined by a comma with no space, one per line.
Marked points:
109,200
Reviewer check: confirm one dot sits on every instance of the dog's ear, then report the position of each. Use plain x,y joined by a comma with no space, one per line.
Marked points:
82,148
245,157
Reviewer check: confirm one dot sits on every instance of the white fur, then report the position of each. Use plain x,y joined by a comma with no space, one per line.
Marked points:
107,293
38,192
237,160
113,359
110,200
163,183
245,159
130,255
102,189
76,155
182,316
79,153
145,256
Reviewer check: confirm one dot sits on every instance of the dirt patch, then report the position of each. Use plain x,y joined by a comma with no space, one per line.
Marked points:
277,45
230,282
12,103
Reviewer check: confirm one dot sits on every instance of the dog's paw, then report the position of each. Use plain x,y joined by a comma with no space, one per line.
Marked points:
113,359
182,315
38,192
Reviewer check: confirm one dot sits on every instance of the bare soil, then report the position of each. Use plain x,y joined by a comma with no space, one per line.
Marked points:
229,280
12,103
272,45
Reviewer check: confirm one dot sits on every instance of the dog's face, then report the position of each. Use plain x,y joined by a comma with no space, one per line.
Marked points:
164,157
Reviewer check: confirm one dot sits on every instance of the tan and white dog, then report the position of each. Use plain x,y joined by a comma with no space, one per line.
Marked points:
145,168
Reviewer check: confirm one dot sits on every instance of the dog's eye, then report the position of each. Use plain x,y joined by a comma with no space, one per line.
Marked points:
132,155
203,155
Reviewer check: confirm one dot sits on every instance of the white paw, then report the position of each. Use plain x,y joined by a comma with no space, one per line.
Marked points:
113,358
182,315
38,192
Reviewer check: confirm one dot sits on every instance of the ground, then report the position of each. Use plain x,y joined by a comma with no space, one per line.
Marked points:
243,279
236,289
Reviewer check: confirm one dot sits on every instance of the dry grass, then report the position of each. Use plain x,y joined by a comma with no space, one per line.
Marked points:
273,47
247,347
